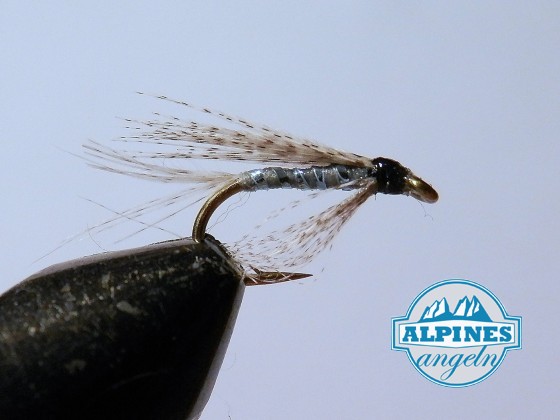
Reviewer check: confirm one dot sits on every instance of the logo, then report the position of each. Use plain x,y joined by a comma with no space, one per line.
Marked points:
456,333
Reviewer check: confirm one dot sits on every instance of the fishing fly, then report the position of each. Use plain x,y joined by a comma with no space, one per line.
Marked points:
317,168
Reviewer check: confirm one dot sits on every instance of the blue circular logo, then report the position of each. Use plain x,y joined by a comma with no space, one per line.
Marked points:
456,333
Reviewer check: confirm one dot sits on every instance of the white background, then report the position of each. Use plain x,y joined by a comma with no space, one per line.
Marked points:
467,94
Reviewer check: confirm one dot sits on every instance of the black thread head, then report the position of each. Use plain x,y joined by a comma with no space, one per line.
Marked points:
391,176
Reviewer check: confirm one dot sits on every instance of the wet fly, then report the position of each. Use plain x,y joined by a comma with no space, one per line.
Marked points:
289,163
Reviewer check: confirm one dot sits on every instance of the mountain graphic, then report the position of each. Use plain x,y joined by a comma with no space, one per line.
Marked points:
465,309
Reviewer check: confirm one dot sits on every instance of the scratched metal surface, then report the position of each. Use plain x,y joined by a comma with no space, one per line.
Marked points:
138,333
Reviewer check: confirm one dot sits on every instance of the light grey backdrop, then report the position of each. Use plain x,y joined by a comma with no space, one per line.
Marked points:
465,93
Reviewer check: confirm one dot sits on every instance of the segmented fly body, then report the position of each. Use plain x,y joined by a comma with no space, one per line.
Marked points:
302,165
